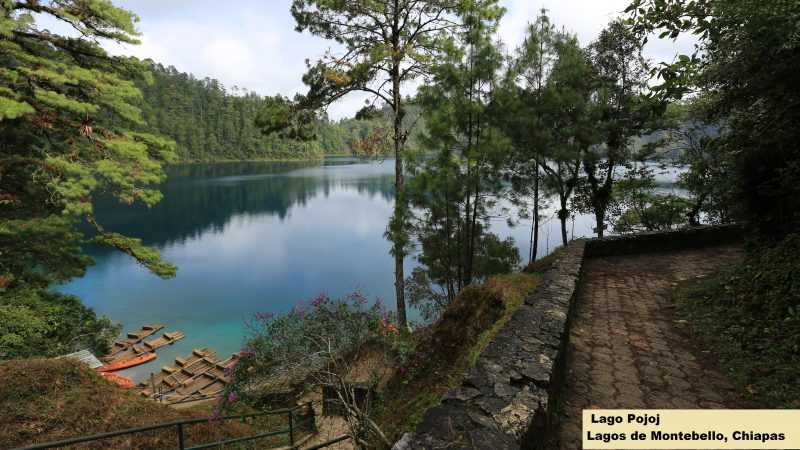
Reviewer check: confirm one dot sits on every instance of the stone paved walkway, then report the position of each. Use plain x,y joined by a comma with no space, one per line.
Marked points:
626,349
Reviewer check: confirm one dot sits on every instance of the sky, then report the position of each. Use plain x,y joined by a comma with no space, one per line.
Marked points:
252,44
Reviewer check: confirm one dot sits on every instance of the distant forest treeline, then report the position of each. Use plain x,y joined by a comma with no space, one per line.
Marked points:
210,122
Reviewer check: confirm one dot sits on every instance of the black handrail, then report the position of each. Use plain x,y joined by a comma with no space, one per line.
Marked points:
341,438
231,441
179,425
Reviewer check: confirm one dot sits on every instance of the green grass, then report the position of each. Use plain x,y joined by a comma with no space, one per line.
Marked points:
515,286
749,316
448,349
542,264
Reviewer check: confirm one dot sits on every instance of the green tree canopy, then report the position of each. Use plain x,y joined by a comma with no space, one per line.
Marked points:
625,111
453,192
386,44
746,64
67,115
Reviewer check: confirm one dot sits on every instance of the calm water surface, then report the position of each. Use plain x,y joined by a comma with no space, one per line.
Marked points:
250,237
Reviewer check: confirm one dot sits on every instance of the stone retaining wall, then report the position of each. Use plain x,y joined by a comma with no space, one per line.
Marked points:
661,241
508,400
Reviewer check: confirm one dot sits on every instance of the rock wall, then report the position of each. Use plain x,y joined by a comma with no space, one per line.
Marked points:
506,400
659,241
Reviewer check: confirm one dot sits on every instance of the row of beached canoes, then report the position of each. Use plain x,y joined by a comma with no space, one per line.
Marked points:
200,375
133,350
131,339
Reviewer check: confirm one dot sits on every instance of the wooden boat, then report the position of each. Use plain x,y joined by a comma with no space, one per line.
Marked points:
194,356
178,378
124,364
212,389
170,372
211,380
147,346
119,380
203,385
133,338
198,376
165,339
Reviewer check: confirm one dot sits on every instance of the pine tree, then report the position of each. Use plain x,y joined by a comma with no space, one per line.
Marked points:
525,82
67,119
454,191
625,111
386,44
568,121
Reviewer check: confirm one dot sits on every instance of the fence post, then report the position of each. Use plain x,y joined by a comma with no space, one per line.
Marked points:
181,443
291,428
312,427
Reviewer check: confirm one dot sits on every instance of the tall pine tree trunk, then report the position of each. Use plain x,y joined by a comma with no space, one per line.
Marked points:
599,217
473,232
534,252
399,202
563,214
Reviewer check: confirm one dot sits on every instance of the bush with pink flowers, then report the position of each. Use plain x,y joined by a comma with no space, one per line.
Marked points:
284,352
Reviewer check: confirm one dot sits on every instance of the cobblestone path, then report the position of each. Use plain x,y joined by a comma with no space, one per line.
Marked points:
626,349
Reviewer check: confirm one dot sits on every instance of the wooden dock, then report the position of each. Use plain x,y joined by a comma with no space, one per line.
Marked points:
146,346
198,375
131,339
167,371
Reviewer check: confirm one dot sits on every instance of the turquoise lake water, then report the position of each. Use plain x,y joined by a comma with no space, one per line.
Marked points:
256,237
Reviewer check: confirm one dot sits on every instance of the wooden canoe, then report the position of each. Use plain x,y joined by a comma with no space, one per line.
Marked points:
133,338
198,353
147,346
202,378
166,339
198,367
157,379
124,364
119,380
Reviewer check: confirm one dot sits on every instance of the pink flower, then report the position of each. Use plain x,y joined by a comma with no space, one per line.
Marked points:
318,300
231,397
264,316
217,413
359,298
301,314
229,368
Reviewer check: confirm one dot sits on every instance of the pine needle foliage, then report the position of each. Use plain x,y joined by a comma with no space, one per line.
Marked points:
68,121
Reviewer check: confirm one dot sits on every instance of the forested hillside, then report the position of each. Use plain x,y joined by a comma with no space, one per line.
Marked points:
210,122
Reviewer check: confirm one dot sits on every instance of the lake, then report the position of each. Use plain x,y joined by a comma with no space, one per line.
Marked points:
256,237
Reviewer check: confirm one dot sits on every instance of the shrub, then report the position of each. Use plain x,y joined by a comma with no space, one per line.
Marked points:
35,322
752,315
322,345
284,351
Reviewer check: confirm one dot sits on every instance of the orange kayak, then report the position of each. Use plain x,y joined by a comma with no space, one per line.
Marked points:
119,380
124,364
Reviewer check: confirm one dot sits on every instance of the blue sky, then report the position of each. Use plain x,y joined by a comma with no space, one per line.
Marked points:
252,44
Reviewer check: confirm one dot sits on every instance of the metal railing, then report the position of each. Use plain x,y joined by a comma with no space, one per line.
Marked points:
181,436
341,438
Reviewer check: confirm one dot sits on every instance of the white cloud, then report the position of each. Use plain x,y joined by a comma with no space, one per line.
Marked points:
585,18
252,44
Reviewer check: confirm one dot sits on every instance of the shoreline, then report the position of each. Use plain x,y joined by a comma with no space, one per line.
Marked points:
228,161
